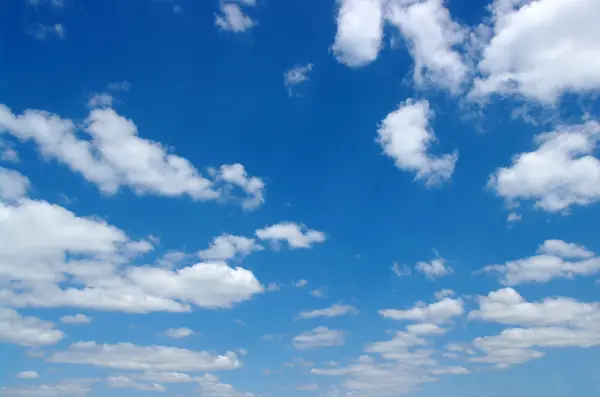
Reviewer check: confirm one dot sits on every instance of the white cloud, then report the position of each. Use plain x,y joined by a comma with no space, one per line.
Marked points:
425,329
233,19
28,375
179,333
13,185
73,388
123,382
300,283
77,319
435,313
226,247
127,356
562,171
236,175
209,386
431,37
359,32
308,387
405,135
8,153
296,235
119,86
27,331
116,156
164,377
84,263
318,337
401,271
552,261
443,293
45,32
332,311
507,306
100,99
296,75
434,269
541,49
318,293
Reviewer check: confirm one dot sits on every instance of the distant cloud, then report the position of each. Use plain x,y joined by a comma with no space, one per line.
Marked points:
45,32
232,19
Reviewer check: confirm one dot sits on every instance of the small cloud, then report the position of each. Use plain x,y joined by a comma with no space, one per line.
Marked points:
296,75
401,271
272,287
45,32
308,387
28,375
318,293
268,337
437,268
233,19
513,217
179,333
78,319
239,321
301,283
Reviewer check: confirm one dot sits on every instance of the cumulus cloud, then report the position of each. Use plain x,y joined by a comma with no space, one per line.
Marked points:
554,259
66,388
318,337
561,172
359,32
13,185
296,75
432,39
28,375
226,247
332,311
540,50
127,356
434,313
52,258
296,235
27,331
405,135
123,382
115,156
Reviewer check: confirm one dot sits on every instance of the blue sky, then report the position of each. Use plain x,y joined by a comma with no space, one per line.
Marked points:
246,198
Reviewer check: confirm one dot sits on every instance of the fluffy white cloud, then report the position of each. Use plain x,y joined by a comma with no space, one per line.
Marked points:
77,319
27,331
435,313
115,156
318,337
210,386
437,268
13,185
443,293
179,333
233,19
7,152
431,37
562,171
552,261
405,135
28,375
296,75
359,32
227,247
541,49
127,356
507,306
100,99
61,260
296,235
123,382
73,388
332,311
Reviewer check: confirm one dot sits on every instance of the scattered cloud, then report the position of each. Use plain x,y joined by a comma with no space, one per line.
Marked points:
437,268
100,99
66,388
43,32
332,311
318,293
300,283
296,75
296,235
434,313
226,247
78,319
405,135
123,86
401,271
317,338
28,375
561,172
359,32
179,333
123,382
127,356
27,331
554,259
232,19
